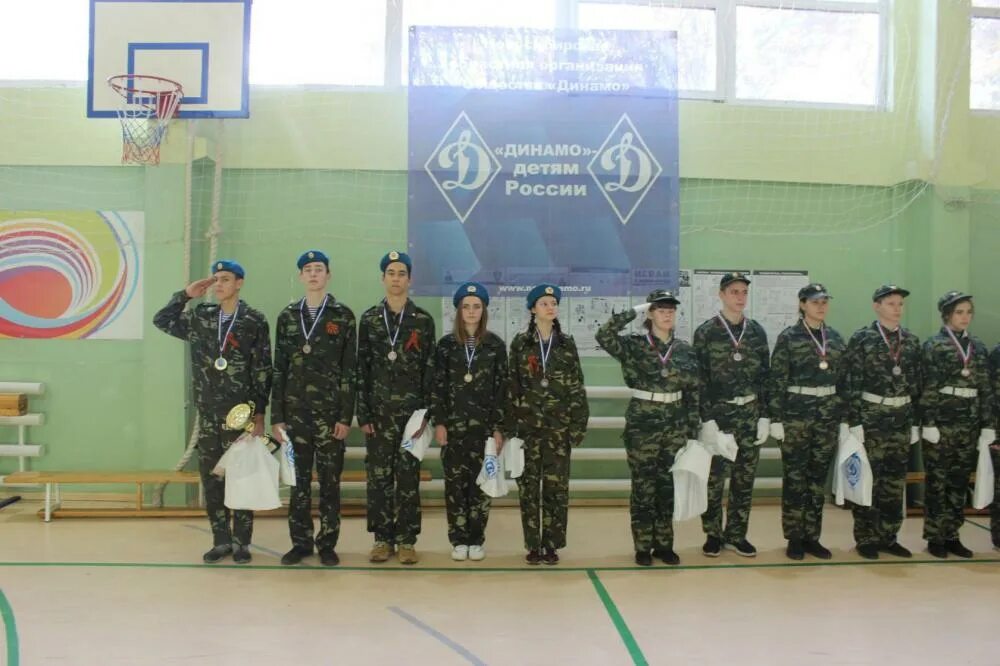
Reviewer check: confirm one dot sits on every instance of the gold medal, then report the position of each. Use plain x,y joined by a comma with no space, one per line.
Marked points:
467,377
823,365
221,363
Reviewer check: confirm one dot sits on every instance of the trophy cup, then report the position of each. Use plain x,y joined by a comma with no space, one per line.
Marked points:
240,417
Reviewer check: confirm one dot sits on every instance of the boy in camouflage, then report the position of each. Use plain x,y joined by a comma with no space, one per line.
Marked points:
547,408
733,359
470,386
395,346
230,364
662,416
995,448
884,379
956,409
315,354
806,404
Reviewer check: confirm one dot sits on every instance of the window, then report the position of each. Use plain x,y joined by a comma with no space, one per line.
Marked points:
808,55
984,63
304,42
44,40
696,35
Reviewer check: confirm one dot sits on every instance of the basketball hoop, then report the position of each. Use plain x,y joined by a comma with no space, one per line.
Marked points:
148,105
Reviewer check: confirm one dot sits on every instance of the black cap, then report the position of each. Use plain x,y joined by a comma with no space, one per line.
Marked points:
887,290
813,292
662,296
729,278
951,298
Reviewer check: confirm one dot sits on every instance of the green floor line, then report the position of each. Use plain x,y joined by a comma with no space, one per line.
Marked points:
474,570
10,631
979,525
616,617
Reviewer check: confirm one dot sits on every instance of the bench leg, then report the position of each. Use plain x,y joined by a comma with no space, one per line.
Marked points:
138,497
48,502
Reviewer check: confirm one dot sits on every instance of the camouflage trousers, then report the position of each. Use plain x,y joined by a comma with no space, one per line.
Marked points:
947,466
741,422
995,507
393,483
887,443
313,443
468,507
651,505
544,489
213,440
807,452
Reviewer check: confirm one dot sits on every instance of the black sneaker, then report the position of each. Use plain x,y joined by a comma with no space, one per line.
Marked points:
869,551
216,554
329,558
744,548
816,549
712,547
897,549
667,555
295,555
643,558
533,557
551,556
241,555
795,551
938,550
956,547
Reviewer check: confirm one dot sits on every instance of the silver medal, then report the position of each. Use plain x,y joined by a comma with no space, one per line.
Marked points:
664,372
966,372
221,363
393,355
823,365
737,357
896,370
467,377
544,382
307,348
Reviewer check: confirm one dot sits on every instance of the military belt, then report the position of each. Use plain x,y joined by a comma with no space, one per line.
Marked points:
657,397
742,399
959,392
899,401
819,391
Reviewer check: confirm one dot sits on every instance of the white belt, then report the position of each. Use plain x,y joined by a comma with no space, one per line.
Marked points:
742,400
900,401
820,391
657,397
959,392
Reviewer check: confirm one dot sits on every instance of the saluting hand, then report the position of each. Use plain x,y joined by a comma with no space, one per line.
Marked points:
198,288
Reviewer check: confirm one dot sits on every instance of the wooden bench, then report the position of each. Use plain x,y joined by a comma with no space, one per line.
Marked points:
52,480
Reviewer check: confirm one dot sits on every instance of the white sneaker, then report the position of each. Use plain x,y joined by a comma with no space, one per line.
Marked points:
460,553
477,553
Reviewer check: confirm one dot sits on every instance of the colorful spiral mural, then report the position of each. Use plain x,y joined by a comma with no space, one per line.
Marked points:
71,274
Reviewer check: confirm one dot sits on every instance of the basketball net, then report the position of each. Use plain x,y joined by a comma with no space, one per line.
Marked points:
148,105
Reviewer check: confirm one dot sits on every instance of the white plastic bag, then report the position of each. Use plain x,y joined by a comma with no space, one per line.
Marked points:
513,457
982,496
251,474
491,476
723,445
416,446
691,469
852,479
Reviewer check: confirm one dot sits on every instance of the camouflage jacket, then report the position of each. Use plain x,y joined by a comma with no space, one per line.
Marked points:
323,379
463,406
248,352
943,367
795,362
641,369
562,405
722,377
392,388
869,368
995,383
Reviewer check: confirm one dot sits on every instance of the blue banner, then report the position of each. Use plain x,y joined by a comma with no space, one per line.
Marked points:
541,155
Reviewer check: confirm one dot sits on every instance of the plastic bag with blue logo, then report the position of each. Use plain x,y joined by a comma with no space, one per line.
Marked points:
416,446
491,476
251,474
852,478
286,461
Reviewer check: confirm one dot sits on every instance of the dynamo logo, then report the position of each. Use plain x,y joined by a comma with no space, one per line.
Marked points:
624,168
462,167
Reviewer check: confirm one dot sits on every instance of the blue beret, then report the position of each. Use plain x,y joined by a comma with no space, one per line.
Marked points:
544,290
471,289
311,256
394,256
228,265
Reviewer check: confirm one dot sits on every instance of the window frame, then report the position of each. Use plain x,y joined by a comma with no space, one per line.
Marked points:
974,13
